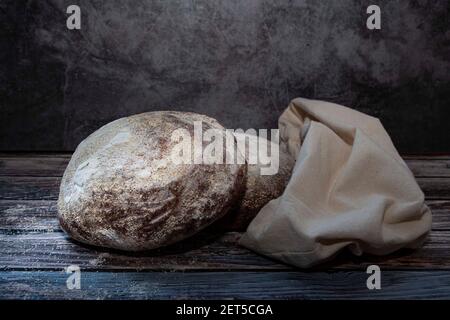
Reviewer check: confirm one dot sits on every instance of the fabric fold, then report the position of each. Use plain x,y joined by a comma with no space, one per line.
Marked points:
349,189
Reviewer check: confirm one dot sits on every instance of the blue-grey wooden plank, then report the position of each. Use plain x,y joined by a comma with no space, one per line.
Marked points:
225,285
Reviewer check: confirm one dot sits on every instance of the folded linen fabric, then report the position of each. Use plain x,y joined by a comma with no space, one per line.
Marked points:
349,189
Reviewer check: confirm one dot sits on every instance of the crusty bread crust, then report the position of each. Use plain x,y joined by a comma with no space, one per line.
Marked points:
120,189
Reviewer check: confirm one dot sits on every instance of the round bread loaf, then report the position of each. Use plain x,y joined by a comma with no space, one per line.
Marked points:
122,190
259,189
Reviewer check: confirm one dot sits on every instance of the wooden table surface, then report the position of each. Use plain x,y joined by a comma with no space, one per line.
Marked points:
34,252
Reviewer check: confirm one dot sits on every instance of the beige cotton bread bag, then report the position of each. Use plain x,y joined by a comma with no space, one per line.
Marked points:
349,189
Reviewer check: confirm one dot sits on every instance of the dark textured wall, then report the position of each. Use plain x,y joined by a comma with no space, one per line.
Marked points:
239,61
